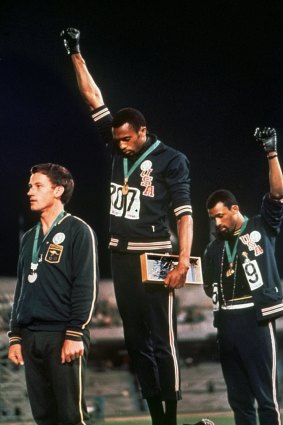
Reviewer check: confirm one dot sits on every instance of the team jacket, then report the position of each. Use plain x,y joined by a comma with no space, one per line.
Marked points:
160,184
63,296
256,254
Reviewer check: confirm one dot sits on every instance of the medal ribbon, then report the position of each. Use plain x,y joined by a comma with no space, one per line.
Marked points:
127,172
231,256
35,248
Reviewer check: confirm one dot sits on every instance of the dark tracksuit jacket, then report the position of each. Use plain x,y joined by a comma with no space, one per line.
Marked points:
139,223
64,294
258,241
246,326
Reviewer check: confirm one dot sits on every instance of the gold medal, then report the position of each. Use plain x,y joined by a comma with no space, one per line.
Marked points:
125,188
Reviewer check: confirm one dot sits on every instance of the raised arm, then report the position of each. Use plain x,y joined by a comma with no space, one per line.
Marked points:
267,137
87,86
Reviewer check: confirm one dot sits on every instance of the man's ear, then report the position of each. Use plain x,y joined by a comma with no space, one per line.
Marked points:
235,209
59,190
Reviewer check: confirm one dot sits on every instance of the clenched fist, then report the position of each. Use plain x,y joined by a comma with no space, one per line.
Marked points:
267,137
71,38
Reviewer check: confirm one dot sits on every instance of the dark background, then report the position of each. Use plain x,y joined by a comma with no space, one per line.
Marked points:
205,74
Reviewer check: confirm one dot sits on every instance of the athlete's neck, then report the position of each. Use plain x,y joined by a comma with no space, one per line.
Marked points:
48,216
239,223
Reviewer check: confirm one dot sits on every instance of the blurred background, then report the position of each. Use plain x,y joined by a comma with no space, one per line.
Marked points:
205,74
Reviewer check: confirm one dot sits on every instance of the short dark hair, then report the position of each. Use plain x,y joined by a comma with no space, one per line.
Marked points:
131,116
221,195
58,176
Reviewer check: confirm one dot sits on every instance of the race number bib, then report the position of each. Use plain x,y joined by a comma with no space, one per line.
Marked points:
215,299
253,274
125,206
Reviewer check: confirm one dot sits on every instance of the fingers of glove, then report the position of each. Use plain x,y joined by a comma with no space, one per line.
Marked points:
264,133
257,133
267,137
71,38
70,33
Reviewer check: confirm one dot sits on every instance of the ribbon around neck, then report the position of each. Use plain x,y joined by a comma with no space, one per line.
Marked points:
35,248
231,256
127,172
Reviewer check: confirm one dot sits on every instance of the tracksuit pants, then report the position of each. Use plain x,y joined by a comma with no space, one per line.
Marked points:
248,360
148,313
55,390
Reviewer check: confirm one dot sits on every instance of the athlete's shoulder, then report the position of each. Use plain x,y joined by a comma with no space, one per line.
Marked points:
28,234
171,152
78,223
213,246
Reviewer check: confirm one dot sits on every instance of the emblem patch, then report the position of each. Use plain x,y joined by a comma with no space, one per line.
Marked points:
250,241
255,236
146,165
54,253
58,238
147,179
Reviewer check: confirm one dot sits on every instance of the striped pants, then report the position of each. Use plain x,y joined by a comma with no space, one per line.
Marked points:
248,360
148,313
55,390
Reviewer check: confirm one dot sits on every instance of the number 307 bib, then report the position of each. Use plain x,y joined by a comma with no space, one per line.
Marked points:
125,206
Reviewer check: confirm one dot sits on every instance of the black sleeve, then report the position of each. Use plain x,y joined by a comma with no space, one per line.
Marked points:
272,212
178,183
208,273
103,122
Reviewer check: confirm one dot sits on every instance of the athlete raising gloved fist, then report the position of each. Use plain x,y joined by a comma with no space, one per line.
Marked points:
149,181
268,138
71,37
241,276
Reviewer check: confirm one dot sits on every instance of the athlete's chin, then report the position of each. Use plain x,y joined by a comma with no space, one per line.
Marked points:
223,234
34,207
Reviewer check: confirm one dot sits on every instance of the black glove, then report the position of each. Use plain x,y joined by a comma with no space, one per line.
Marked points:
267,137
71,38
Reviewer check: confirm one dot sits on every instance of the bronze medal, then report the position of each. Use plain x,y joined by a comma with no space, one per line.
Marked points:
230,271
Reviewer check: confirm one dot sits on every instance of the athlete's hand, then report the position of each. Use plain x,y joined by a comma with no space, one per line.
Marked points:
71,350
71,38
15,354
267,137
176,278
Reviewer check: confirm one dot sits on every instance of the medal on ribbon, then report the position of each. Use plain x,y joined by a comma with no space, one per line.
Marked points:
32,276
231,256
125,188
231,270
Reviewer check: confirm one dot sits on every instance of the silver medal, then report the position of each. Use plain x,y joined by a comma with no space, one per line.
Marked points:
32,277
